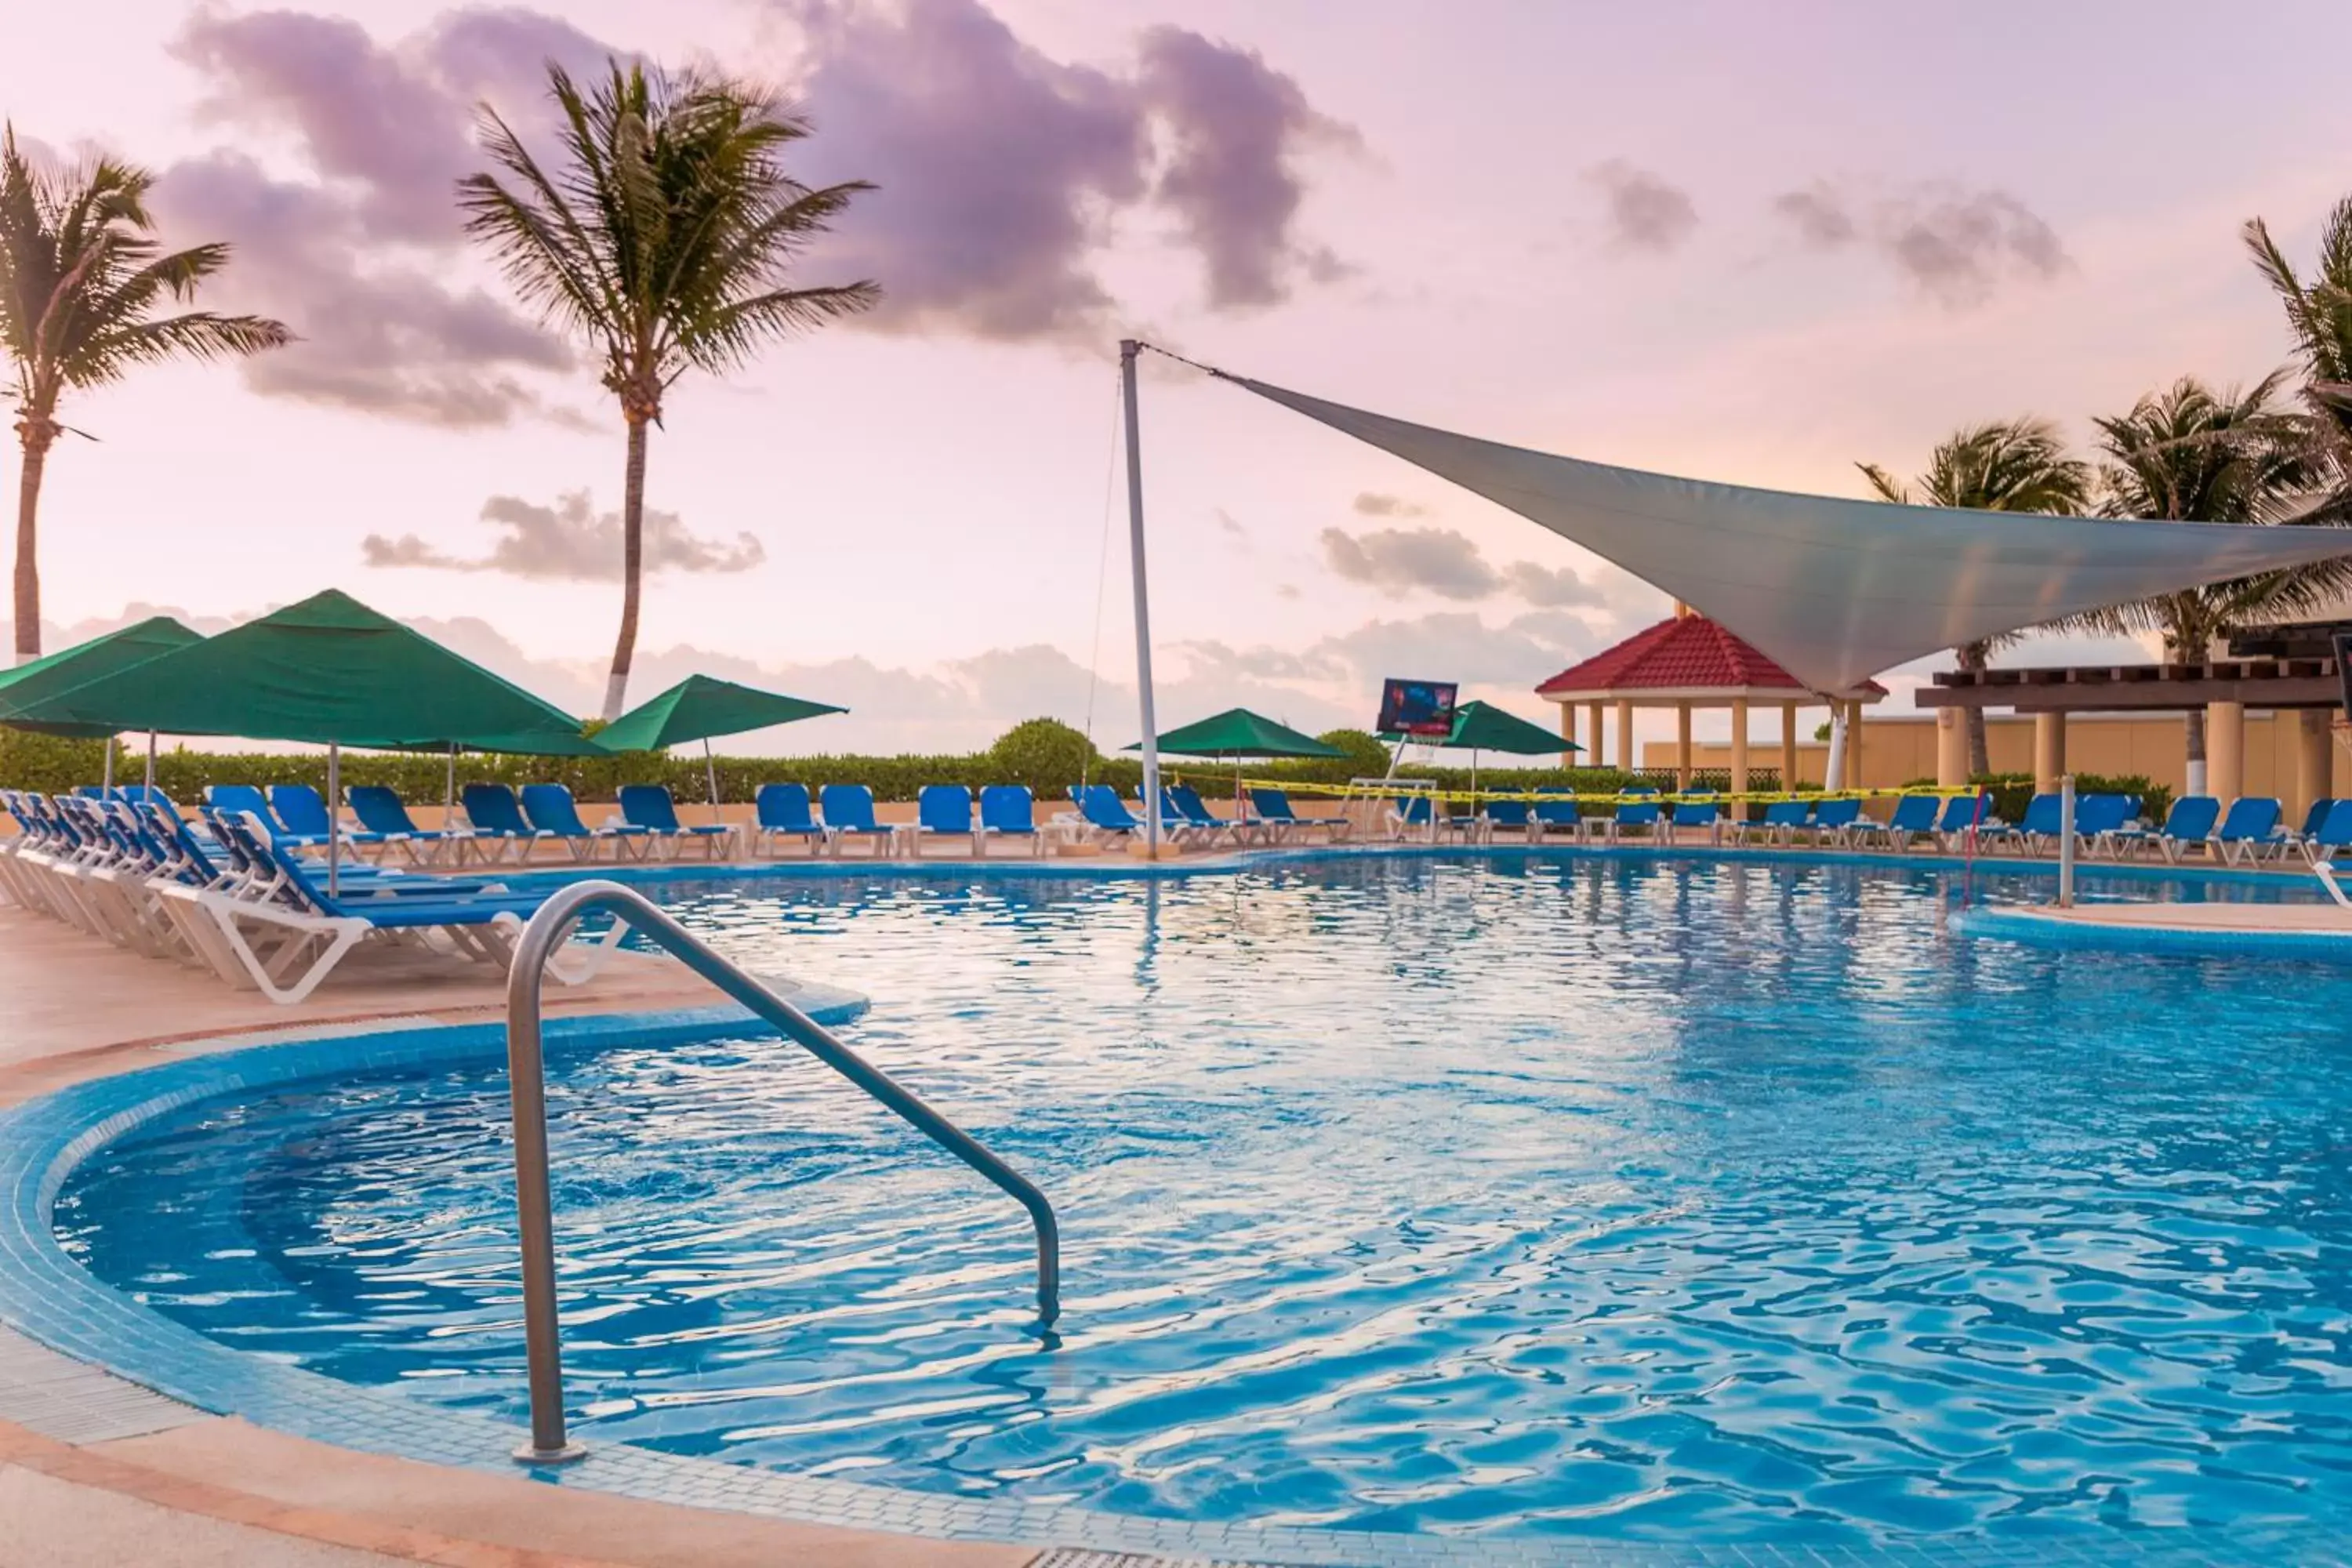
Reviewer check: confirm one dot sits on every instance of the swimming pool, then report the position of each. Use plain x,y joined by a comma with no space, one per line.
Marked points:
1625,1197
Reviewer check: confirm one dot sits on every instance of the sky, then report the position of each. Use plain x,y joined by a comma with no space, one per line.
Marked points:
1753,244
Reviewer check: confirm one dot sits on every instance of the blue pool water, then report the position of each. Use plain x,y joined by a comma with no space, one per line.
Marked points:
1532,1197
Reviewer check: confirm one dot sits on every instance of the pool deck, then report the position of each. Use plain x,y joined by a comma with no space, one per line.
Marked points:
97,1471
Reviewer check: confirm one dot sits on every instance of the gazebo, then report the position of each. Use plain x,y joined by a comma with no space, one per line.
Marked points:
1688,661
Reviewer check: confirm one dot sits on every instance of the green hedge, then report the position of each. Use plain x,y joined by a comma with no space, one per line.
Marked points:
1045,762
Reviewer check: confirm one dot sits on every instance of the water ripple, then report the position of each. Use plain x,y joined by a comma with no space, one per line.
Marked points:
1643,1201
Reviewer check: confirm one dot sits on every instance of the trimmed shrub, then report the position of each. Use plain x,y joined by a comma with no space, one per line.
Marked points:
1043,753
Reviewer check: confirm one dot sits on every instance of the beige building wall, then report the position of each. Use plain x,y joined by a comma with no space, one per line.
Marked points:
1898,750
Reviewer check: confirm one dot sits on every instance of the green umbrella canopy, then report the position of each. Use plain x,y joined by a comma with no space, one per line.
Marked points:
1482,727
328,671
1238,732
28,684
700,707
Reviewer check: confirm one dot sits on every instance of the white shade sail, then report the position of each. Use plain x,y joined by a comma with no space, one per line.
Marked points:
1835,589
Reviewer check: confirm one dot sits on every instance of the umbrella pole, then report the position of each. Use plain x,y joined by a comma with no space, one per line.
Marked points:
710,777
106,780
334,816
449,790
150,764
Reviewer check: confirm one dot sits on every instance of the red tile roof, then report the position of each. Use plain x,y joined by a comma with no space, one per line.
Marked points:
1683,653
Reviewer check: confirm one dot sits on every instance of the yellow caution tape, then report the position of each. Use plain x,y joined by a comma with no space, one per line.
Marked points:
1422,789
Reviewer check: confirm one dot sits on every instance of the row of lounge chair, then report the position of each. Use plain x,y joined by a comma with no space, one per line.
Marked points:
2105,825
244,900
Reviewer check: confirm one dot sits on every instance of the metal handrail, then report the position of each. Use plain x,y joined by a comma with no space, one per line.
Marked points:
527,1079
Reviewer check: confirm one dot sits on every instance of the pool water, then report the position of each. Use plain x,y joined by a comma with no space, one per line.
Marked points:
1619,1198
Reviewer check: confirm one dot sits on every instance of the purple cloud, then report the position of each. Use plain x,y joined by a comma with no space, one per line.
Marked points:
570,541
1000,170
997,165
366,257
1955,246
1235,123
1645,213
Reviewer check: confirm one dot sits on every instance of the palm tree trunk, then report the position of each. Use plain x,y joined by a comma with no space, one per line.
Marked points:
1973,656
633,560
2193,739
36,432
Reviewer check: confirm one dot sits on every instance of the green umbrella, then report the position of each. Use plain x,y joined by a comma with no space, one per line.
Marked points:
700,707
1237,733
329,671
69,667
1482,727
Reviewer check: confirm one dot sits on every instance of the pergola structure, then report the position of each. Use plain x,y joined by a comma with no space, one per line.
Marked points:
2223,688
1687,662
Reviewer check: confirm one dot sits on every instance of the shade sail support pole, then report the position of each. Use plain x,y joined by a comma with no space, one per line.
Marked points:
334,816
1128,350
711,779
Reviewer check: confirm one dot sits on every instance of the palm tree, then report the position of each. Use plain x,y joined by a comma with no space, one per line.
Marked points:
664,239
80,275
2017,464
2190,455
2319,314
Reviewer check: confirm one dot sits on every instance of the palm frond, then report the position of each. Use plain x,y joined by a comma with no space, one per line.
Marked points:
666,230
81,273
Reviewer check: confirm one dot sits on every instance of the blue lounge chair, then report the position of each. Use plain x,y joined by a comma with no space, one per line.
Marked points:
247,800
286,942
1105,815
1963,814
1561,812
2318,847
2099,817
385,817
2285,840
849,813
943,811
238,839
649,809
1634,817
1273,807
2038,826
1195,813
782,811
1174,825
553,812
498,825
1779,825
1517,816
1914,818
1009,811
304,813
2189,824
1834,821
1697,816
2250,829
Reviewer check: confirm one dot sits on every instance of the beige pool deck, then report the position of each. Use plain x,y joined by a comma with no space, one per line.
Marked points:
163,1484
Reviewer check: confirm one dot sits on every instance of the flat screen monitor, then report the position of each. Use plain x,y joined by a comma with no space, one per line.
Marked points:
1417,707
